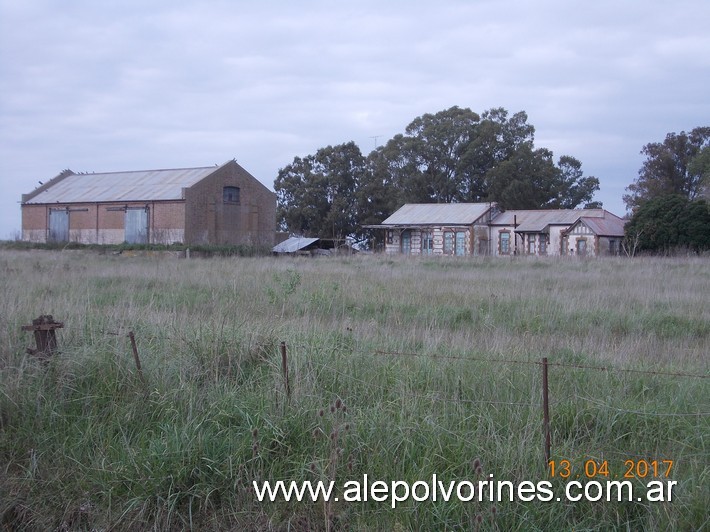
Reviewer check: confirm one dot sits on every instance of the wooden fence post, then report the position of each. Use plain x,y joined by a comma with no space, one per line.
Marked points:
135,355
284,368
45,336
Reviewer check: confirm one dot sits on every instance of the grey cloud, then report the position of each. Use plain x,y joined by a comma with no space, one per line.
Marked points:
122,85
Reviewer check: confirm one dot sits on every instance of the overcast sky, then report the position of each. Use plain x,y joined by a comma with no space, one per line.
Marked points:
144,84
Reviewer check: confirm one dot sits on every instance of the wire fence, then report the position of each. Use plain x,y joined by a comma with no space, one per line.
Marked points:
544,405
433,395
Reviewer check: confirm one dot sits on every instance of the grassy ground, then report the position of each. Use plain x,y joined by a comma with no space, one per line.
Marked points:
435,360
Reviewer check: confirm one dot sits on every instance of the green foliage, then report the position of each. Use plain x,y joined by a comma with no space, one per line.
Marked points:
672,222
458,156
700,166
283,287
671,168
455,155
572,187
529,179
317,194
432,152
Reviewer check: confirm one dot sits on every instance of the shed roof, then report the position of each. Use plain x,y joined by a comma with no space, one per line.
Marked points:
142,185
293,244
535,221
438,213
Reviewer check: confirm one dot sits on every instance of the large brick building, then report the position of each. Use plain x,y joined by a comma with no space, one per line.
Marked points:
211,205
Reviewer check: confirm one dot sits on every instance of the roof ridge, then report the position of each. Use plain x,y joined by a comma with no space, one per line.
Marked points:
148,170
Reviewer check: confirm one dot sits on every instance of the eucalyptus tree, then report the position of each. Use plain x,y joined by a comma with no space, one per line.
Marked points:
316,194
455,155
669,169
670,222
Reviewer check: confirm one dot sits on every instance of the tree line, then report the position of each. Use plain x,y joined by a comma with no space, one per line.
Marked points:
668,199
458,155
455,155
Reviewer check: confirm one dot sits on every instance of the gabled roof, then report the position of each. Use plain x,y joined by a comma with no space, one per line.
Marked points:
438,214
142,185
609,225
536,221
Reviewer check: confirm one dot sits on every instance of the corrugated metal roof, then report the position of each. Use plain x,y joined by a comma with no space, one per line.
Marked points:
610,225
532,221
293,244
438,213
143,185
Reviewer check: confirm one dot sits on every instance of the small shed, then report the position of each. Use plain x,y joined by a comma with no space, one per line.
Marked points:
298,245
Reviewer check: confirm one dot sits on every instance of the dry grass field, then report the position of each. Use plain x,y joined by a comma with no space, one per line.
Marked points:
437,360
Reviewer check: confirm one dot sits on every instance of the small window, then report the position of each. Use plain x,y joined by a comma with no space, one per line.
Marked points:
613,247
390,237
543,245
230,194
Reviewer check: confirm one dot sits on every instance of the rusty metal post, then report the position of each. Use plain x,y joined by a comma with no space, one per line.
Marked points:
284,368
45,336
135,354
546,411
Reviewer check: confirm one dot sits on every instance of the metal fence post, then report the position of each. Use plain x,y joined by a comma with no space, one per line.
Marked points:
545,411
135,355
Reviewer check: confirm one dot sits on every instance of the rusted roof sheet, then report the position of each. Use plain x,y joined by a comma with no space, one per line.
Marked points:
143,185
610,225
438,213
534,221
293,244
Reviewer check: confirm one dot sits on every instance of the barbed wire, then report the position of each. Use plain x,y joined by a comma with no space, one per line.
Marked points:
624,370
539,363
608,369
469,401
457,357
393,353
639,412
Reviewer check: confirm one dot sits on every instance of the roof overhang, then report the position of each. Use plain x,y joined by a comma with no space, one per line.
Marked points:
414,225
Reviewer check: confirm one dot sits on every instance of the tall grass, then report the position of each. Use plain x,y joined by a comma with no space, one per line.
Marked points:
419,351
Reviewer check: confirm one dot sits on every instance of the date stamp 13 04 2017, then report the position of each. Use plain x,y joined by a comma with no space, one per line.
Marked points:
595,469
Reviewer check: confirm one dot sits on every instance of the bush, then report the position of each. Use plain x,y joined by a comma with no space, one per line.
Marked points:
670,222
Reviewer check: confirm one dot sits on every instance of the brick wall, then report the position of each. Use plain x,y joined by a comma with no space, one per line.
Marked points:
167,222
209,219
104,223
34,223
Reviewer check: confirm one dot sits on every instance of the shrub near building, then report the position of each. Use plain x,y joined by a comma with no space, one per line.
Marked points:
669,223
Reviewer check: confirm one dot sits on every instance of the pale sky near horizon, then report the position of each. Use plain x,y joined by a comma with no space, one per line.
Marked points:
133,84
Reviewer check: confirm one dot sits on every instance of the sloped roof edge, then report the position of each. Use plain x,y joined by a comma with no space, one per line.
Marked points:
607,226
293,244
129,185
437,214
